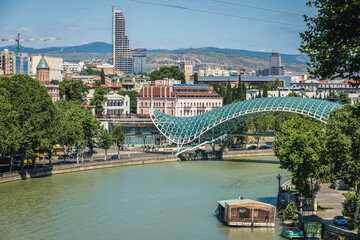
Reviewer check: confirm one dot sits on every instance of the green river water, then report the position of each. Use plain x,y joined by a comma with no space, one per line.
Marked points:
160,201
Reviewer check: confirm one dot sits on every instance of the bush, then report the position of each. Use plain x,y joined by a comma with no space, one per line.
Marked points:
349,206
290,212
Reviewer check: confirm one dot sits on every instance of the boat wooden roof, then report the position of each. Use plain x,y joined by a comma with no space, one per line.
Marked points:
245,202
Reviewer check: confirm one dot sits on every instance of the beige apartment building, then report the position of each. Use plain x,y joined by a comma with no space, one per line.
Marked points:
187,69
55,64
10,63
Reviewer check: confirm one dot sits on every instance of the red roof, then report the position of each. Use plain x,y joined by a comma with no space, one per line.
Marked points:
324,81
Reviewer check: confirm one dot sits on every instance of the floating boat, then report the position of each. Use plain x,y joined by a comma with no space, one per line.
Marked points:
246,213
292,233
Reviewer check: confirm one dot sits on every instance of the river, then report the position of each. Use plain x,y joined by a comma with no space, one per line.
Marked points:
159,201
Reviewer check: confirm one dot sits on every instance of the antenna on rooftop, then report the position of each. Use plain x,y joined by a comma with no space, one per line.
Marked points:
113,6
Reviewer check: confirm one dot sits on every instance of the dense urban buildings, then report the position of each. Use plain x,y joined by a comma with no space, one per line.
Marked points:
122,58
172,98
275,64
139,60
55,64
10,63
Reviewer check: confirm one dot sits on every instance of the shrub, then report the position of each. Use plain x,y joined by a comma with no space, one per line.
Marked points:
290,212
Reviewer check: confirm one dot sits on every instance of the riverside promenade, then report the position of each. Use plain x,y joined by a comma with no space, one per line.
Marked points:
128,158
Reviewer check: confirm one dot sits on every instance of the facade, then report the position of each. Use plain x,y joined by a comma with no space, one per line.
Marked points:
122,58
187,69
213,71
116,104
172,98
10,63
73,67
55,64
139,60
43,76
108,69
248,80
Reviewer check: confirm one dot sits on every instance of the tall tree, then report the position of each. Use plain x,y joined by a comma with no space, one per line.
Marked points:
332,40
219,89
228,96
265,93
342,148
133,99
32,113
104,139
119,138
299,146
99,99
243,90
73,90
196,78
102,76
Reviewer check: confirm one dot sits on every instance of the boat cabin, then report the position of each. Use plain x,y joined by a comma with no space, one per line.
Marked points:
246,213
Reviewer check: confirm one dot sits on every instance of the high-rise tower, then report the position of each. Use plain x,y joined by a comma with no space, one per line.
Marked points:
122,58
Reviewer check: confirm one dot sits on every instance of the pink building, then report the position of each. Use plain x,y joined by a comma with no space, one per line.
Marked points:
172,98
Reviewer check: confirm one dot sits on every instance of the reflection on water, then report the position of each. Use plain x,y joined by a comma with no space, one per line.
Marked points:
161,201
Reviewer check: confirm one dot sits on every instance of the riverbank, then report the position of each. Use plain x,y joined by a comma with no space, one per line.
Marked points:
86,166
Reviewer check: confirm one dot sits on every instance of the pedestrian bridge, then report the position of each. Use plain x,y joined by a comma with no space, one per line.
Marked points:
224,120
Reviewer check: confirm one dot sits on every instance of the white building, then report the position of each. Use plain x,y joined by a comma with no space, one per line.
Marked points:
74,67
213,71
55,65
115,105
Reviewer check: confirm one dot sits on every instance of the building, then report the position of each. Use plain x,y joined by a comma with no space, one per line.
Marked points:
55,64
115,105
248,80
172,98
43,76
108,69
10,63
214,71
122,58
139,60
73,67
187,69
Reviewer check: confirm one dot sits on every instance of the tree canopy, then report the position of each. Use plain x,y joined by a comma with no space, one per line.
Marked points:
332,40
119,138
196,78
99,98
73,90
168,72
90,71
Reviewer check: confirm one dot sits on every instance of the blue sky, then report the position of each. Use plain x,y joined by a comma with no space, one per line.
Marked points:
82,21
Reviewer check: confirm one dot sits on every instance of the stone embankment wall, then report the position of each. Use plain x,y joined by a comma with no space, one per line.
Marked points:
332,232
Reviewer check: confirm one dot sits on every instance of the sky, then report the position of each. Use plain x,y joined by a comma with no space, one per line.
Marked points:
151,26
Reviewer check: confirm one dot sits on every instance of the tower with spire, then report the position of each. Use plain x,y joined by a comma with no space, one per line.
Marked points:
43,71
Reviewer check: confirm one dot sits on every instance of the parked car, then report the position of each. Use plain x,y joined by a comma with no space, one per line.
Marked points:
93,151
62,156
264,147
340,221
252,147
73,155
87,154
115,156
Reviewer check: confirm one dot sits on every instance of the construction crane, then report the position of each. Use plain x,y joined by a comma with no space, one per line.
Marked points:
17,39
112,7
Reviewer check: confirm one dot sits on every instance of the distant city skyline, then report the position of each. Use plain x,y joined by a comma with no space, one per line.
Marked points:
153,26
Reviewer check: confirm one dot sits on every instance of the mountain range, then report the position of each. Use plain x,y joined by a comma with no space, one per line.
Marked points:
103,47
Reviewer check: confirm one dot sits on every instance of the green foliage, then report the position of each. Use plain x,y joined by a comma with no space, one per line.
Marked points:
168,72
290,212
338,97
28,116
219,89
99,98
118,136
90,72
133,99
104,138
299,146
293,94
102,75
196,78
228,99
332,40
265,92
73,90
273,84
56,82
349,206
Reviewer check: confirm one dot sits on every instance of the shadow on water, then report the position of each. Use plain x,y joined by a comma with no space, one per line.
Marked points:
248,161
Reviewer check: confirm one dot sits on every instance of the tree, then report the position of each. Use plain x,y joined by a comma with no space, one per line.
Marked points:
243,89
104,139
99,99
196,78
293,94
90,71
168,72
299,146
102,76
342,148
290,212
332,40
338,97
73,90
265,93
90,127
274,84
119,138
228,96
56,82
31,118
133,99
219,89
